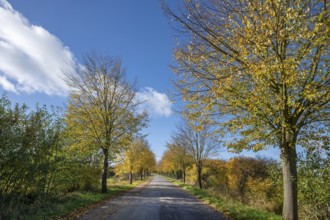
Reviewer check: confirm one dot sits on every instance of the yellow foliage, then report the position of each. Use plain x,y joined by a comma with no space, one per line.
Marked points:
259,187
192,175
137,157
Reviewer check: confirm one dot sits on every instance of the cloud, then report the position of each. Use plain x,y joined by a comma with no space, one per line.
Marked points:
31,59
7,85
156,103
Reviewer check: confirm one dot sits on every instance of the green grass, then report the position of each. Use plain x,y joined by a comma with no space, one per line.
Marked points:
72,205
231,209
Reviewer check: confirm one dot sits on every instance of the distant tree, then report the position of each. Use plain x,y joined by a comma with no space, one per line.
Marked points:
137,158
199,143
166,163
179,156
260,70
132,158
147,160
102,108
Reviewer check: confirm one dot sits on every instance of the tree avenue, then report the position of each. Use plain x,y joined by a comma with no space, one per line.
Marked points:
260,71
136,158
102,112
178,157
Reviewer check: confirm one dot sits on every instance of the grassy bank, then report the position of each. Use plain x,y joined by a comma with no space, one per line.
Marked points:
74,204
231,209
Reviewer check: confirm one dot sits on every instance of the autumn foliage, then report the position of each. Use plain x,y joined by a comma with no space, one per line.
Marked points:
136,160
258,181
259,71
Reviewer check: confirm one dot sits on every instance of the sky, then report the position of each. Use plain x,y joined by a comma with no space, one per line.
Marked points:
40,40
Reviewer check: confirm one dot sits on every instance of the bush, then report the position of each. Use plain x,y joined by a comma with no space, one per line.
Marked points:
314,187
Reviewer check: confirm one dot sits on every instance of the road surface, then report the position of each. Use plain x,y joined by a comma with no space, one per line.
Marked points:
158,200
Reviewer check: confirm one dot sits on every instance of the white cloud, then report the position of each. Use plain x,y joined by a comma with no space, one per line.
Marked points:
156,103
7,85
31,59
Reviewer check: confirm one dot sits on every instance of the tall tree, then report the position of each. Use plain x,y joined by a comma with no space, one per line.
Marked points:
263,66
102,107
199,143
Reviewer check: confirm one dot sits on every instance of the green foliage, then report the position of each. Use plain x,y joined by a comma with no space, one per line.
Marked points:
314,187
77,174
30,146
70,205
30,155
36,162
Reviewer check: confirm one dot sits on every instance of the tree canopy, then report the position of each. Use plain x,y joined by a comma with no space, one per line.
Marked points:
259,70
102,108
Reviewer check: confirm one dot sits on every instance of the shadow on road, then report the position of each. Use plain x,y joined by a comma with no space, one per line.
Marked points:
158,200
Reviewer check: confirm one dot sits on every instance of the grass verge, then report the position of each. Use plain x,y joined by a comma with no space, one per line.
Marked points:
231,209
73,205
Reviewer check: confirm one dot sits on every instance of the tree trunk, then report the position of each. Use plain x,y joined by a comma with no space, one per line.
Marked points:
199,175
130,177
184,175
105,170
289,170
141,174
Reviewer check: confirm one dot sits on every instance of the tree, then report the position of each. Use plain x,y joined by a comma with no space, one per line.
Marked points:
180,156
176,159
132,158
166,164
149,160
258,69
137,158
199,143
102,108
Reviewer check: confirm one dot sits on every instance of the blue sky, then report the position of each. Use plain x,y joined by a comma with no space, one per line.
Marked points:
39,39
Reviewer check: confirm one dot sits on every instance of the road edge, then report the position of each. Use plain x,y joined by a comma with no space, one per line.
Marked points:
223,215
79,212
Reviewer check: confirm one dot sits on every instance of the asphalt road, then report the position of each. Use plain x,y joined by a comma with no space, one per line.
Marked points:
158,200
